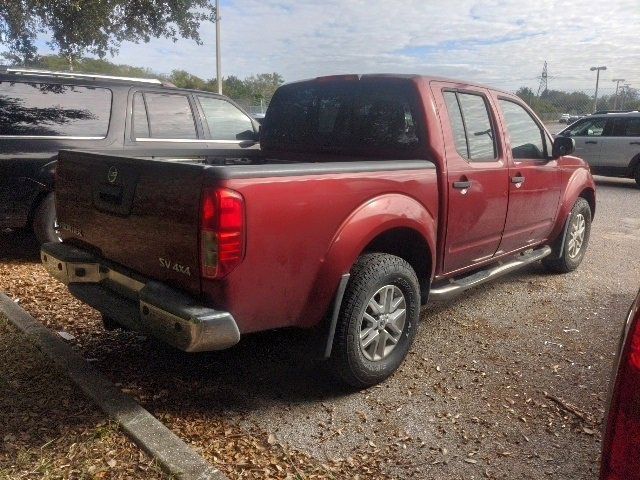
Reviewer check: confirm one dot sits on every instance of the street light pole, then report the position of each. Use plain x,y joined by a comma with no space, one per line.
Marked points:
615,99
218,59
595,98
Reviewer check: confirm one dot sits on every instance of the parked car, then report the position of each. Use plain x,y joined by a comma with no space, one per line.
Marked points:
564,118
621,442
43,112
609,142
370,195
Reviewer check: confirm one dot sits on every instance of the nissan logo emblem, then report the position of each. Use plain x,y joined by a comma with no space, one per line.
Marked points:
112,175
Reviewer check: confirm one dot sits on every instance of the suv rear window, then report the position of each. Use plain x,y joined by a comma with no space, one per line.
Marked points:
348,117
54,110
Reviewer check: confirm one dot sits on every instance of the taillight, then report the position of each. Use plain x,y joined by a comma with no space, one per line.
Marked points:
221,232
621,444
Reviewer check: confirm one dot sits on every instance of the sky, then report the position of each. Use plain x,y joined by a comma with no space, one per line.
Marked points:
502,44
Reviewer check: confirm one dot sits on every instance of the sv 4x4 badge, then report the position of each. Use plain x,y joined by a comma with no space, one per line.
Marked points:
175,266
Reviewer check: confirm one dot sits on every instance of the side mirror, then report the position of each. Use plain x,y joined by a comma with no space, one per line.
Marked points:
249,135
563,146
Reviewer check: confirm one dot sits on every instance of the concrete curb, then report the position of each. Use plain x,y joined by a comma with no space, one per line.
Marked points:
173,454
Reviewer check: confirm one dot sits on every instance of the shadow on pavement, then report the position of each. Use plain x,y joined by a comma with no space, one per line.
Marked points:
616,182
21,245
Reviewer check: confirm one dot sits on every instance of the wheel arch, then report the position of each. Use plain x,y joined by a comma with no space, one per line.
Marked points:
376,224
411,246
633,165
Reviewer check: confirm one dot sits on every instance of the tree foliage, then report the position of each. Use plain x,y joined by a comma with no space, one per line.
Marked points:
97,27
550,104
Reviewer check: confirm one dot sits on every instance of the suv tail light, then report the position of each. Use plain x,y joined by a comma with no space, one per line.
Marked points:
222,232
621,443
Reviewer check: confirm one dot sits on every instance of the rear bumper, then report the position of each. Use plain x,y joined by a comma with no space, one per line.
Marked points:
138,303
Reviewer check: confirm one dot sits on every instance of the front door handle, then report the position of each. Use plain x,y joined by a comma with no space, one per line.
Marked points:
634,143
462,185
593,142
517,179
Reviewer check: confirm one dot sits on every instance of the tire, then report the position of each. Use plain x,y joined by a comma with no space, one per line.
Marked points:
372,277
636,175
44,220
572,254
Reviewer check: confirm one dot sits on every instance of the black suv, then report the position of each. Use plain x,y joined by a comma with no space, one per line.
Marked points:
42,112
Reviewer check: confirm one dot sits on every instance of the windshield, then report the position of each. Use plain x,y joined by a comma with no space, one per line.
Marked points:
343,117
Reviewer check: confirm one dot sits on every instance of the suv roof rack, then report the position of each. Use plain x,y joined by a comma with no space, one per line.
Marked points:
37,72
600,112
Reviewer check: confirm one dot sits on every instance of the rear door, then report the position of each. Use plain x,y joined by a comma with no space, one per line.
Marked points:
620,144
534,178
477,176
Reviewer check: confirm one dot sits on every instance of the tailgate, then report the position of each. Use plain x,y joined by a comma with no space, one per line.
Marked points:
142,214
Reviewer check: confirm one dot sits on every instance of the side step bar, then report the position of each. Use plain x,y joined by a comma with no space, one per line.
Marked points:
456,286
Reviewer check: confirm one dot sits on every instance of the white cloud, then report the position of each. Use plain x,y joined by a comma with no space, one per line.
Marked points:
495,42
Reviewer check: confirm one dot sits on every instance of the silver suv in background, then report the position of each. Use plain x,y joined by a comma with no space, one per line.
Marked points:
609,142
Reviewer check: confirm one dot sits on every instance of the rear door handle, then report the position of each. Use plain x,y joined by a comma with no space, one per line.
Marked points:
462,185
593,142
517,179
634,143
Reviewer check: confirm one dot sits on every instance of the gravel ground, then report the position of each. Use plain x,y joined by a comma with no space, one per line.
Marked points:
508,381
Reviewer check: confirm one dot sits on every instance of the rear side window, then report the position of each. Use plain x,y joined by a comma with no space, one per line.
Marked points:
348,117
632,127
471,126
170,116
626,127
53,110
525,134
225,121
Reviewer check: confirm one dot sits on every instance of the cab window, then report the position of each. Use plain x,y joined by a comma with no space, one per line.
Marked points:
471,126
526,136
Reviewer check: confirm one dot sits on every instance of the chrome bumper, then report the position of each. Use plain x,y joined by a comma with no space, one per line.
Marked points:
140,304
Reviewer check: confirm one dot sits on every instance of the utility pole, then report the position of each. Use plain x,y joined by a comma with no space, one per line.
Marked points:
615,99
595,97
624,91
542,86
218,59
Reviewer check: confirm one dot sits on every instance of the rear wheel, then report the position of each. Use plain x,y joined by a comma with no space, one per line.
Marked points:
45,224
637,175
378,320
575,241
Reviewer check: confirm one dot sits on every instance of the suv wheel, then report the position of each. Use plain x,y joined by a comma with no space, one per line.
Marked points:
637,175
575,241
378,320
45,224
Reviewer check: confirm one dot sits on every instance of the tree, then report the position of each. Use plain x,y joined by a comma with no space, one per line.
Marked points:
183,79
261,87
97,27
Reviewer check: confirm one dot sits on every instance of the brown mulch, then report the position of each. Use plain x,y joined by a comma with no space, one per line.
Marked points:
238,451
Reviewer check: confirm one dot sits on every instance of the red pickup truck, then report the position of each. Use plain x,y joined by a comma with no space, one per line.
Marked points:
369,195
